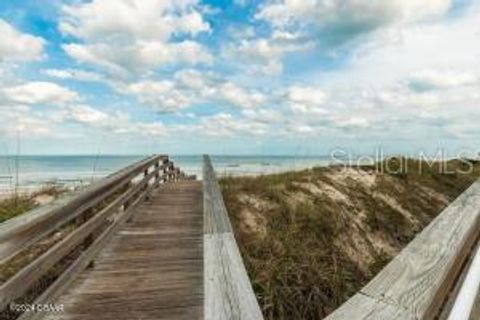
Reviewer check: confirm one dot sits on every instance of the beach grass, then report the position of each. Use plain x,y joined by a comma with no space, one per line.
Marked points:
17,204
311,239
14,206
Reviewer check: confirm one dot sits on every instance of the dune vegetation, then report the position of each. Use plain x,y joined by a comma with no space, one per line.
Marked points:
13,206
16,204
311,239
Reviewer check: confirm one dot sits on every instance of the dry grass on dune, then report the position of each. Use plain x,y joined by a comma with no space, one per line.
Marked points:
15,205
312,239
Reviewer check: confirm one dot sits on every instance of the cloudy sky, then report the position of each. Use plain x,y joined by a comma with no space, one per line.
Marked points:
239,77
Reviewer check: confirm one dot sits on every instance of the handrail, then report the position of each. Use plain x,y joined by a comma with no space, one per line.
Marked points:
98,227
417,282
20,232
228,291
465,300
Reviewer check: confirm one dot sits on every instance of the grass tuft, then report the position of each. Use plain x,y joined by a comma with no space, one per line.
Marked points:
14,206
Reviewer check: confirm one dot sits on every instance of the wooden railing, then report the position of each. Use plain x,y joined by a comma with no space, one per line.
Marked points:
89,217
417,282
228,291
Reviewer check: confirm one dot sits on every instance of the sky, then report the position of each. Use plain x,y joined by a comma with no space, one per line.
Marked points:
297,77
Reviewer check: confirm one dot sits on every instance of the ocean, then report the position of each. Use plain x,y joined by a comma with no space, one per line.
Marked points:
71,171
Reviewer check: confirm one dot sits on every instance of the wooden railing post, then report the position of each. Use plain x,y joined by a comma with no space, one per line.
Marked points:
165,171
157,174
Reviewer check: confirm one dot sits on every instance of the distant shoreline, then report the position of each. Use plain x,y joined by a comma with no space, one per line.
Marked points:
35,171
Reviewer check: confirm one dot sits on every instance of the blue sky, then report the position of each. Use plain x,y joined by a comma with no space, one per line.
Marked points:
239,77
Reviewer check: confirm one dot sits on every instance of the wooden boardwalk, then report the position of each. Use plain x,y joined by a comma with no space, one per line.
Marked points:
153,266
162,247
158,243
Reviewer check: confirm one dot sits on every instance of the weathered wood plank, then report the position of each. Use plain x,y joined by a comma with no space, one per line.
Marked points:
68,276
476,309
18,233
145,271
361,307
21,282
420,277
216,216
228,291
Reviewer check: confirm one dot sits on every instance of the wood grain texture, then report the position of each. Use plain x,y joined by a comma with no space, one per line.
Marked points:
448,305
152,268
228,291
361,307
431,262
20,283
18,233
68,276
420,277
476,308
216,216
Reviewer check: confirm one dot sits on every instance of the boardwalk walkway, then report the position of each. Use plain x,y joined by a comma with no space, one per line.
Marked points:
162,247
152,268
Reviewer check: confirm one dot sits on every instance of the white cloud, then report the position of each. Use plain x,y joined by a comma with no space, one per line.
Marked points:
224,125
306,100
163,96
39,92
34,126
155,129
193,79
240,97
139,56
98,54
74,74
384,93
133,19
135,35
306,95
17,46
116,122
354,121
345,19
264,55
87,115
434,80
302,129
20,119
266,116
239,32
190,87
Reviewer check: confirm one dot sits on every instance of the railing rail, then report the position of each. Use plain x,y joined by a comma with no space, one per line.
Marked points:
468,293
228,291
123,190
22,231
416,283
